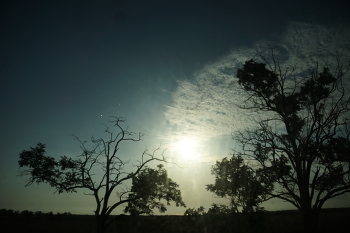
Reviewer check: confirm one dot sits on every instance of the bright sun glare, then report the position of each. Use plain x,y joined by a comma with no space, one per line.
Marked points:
187,148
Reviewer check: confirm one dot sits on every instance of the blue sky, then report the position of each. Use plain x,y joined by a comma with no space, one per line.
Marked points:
66,66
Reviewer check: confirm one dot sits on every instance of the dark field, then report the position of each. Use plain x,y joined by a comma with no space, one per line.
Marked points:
331,220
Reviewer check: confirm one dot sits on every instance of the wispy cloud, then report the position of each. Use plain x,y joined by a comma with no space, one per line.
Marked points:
205,106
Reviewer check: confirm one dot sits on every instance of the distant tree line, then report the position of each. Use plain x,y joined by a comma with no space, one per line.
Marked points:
10,212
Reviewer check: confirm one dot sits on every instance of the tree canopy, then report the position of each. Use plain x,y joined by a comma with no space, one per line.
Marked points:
236,181
153,185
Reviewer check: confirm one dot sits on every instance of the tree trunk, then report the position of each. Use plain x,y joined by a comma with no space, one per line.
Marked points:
100,224
311,221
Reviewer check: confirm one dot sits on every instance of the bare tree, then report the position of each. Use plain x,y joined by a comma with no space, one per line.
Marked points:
301,142
67,175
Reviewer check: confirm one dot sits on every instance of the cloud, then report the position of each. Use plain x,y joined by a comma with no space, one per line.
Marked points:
206,105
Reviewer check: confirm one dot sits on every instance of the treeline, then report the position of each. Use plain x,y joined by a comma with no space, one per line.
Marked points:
9,212
219,209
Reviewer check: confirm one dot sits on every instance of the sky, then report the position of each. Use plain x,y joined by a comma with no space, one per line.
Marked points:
67,66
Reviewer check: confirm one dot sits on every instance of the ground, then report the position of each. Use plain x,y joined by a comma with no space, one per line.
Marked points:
331,220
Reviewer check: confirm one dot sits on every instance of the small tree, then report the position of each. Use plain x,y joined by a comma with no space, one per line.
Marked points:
159,185
236,181
27,213
195,212
301,142
149,186
219,209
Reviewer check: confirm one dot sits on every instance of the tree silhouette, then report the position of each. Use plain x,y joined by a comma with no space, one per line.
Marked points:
301,142
195,212
237,182
219,209
149,186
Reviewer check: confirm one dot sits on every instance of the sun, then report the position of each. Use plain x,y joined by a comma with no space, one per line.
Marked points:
187,148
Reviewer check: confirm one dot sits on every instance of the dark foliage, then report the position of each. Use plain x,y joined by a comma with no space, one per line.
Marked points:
153,185
237,182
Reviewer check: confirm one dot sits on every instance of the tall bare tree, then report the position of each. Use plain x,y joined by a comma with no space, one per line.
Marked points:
301,142
149,186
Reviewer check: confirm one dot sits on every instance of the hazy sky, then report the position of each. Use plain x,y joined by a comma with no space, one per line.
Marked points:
66,66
